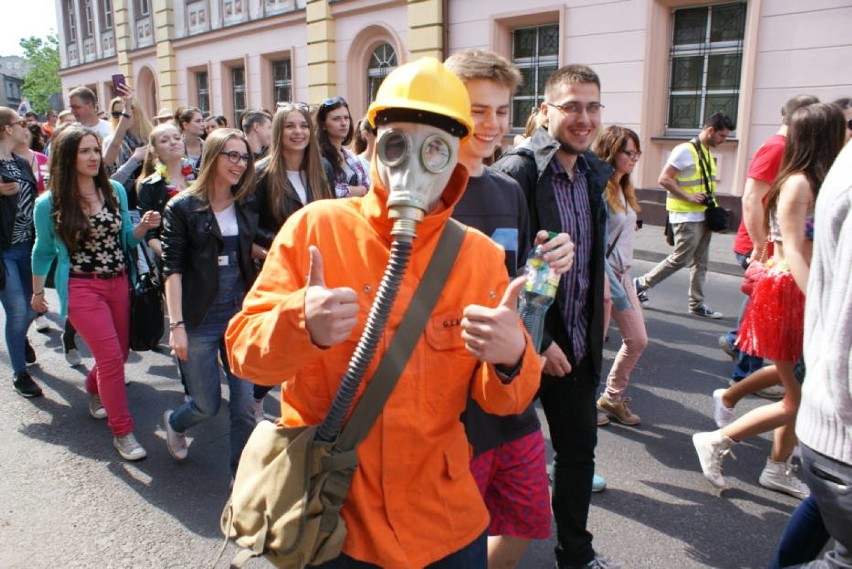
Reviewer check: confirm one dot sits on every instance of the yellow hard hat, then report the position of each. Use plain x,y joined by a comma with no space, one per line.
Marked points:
424,91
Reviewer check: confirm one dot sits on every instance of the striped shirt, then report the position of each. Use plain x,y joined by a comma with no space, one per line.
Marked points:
575,216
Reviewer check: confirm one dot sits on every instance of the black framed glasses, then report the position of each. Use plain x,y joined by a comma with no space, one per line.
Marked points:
574,108
234,157
633,154
333,102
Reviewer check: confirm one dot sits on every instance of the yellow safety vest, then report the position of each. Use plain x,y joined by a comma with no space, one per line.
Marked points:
693,184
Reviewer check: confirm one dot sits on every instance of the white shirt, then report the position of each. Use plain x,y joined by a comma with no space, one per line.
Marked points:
227,220
681,159
296,179
102,129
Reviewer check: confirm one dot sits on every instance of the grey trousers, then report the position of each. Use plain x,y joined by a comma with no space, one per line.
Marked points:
692,249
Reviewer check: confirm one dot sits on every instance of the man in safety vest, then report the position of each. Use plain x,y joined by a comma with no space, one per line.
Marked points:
686,182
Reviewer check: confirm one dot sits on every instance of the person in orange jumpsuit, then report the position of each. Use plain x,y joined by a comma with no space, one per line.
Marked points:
413,501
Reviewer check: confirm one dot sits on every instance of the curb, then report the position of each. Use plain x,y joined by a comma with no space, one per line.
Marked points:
731,269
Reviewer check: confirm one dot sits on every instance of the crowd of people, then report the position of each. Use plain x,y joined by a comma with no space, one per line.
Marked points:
269,269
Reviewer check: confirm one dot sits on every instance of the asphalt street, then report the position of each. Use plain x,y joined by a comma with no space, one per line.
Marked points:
67,499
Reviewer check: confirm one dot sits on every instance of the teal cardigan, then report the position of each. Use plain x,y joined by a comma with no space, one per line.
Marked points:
47,247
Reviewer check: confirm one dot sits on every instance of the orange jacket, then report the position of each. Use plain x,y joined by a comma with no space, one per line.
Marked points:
413,499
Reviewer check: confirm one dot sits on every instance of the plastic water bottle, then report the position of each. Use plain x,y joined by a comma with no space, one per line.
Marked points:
537,295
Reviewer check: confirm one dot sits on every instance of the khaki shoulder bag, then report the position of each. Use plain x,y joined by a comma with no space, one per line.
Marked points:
290,486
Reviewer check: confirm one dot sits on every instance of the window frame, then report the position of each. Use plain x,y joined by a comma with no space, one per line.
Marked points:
236,112
70,21
199,92
705,49
534,62
286,83
376,75
106,13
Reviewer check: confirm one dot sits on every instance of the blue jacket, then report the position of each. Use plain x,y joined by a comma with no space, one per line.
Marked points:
48,247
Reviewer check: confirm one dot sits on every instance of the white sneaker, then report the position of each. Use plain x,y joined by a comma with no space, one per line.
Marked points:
96,407
128,447
721,414
712,448
781,477
42,324
257,405
175,441
73,358
771,392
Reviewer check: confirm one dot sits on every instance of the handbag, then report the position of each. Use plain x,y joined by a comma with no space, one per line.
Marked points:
290,486
755,271
146,307
715,216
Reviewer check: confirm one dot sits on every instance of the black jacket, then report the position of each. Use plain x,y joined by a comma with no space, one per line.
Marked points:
9,204
528,165
152,196
192,243
289,205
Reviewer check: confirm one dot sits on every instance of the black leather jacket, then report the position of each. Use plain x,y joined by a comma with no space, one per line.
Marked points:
289,205
152,196
529,164
192,243
9,204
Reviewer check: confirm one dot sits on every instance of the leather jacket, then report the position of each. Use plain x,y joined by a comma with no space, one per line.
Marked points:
152,196
290,204
192,242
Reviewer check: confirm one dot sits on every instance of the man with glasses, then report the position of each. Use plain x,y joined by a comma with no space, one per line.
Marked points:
689,177
564,182
84,105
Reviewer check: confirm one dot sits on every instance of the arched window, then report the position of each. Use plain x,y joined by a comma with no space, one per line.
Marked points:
382,61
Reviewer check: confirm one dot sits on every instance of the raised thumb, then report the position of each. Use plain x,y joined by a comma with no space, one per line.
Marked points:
513,291
316,276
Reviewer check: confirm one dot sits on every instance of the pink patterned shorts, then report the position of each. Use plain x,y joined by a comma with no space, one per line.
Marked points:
512,479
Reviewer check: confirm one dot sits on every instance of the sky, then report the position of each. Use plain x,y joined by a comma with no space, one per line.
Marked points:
27,18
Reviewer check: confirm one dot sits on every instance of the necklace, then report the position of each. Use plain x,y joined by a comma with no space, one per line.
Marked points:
172,188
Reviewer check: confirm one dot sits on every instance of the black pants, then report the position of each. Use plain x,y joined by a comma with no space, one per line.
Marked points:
569,405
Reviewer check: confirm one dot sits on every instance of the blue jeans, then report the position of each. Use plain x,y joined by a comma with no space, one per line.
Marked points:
803,538
201,373
472,556
15,298
745,364
830,482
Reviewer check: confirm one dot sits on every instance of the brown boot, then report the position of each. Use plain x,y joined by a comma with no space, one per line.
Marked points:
619,410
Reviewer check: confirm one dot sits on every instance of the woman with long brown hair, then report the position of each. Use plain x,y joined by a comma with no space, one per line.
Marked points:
773,324
82,222
619,147
345,173
289,177
207,241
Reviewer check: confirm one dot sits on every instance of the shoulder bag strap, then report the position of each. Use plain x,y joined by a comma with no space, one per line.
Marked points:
612,245
705,169
410,329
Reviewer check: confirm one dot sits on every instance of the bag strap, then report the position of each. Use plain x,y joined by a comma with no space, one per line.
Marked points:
705,176
614,242
407,335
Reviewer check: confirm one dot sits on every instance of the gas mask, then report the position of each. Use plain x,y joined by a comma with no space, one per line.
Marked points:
415,162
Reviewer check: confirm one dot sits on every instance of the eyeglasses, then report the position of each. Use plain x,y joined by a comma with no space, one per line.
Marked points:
20,122
571,108
633,154
234,157
116,114
333,102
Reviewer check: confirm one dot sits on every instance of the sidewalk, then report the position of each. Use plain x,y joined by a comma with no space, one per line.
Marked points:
650,245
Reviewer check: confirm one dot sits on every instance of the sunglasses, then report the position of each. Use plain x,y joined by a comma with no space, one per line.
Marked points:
116,114
20,122
299,105
234,157
333,102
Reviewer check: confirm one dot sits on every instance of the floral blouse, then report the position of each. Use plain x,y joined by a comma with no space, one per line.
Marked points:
102,252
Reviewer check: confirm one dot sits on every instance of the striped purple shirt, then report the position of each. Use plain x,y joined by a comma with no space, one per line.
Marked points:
575,216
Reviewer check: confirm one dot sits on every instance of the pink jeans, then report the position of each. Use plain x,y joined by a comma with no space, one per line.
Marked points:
631,324
100,311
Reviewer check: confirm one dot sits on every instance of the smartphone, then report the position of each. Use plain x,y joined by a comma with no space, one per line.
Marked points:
118,79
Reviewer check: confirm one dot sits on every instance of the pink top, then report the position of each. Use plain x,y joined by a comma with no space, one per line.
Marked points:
40,171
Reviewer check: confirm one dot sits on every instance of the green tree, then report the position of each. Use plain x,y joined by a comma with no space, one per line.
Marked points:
42,80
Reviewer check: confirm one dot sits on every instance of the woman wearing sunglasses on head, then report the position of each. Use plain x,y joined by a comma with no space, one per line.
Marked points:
289,177
82,222
17,195
207,242
334,131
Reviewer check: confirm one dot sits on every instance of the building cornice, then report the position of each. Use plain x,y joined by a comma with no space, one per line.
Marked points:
243,28
89,65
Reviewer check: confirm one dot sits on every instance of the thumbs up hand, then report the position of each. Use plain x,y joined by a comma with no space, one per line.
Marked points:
495,335
330,313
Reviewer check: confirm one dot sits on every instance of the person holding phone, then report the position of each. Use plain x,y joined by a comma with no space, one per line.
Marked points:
17,195
124,151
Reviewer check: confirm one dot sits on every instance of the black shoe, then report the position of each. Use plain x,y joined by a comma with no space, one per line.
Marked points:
29,352
25,385
68,342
